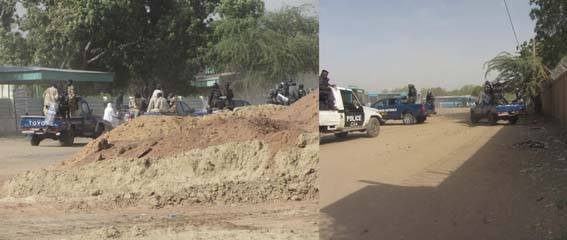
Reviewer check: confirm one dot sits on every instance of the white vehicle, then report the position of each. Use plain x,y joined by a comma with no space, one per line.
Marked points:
340,112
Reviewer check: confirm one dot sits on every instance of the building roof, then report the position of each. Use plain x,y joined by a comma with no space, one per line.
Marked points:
34,75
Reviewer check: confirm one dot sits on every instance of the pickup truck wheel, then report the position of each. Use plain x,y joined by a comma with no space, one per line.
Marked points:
514,120
493,119
474,117
35,140
341,134
408,119
421,120
67,138
373,128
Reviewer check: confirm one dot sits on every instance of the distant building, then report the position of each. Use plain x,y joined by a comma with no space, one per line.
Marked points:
454,101
209,77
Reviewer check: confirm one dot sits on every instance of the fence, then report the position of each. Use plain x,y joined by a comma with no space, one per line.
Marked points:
554,99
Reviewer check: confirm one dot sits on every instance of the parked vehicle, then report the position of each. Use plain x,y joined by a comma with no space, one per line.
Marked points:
240,103
182,109
64,129
345,113
399,109
430,109
494,113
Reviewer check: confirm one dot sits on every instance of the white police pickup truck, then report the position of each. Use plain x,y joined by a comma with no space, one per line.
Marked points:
340,112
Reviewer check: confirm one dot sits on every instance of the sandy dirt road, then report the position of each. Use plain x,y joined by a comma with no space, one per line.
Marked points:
19,156
27,220
445,179
33,219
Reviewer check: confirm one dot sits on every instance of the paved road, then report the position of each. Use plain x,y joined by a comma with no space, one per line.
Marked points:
445,179
19,156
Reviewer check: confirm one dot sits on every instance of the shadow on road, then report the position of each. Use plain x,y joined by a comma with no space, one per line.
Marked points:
333,139
75,145
485,198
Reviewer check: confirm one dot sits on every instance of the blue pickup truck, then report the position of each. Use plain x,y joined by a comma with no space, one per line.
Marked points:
64,129
510,112
399,109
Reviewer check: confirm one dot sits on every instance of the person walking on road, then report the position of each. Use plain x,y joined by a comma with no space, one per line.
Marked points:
50,97
110,115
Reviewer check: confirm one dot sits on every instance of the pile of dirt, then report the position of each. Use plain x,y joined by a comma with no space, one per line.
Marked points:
254,154
304,112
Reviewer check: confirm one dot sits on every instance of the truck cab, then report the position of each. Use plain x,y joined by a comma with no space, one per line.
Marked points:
399,109
340,112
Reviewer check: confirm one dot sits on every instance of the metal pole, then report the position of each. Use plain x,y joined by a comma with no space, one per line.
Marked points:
13,91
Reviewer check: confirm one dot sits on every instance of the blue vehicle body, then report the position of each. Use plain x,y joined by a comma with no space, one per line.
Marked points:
430,108
398,109
64,129
504,108
494,113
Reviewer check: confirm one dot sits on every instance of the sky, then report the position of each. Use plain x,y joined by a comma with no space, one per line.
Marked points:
380,44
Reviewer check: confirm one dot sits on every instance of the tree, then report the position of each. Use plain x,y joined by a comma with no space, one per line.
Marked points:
142,42
271,46
551,29
7,10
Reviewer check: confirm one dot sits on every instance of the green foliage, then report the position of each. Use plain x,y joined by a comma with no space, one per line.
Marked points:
165,41
519,72
551,29
7,10
141,41
472,90
14,49
241,8
273,47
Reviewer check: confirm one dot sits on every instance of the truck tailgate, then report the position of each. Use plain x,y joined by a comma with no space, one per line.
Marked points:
509,108
329,118
34,122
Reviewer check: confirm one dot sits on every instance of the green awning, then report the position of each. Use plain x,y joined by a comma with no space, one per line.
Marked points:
36,75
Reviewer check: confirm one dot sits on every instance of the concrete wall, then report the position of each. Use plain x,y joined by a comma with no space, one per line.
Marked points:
7,118
554,99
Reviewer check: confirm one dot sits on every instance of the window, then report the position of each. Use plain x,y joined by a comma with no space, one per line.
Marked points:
349,99
379,104
85,109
